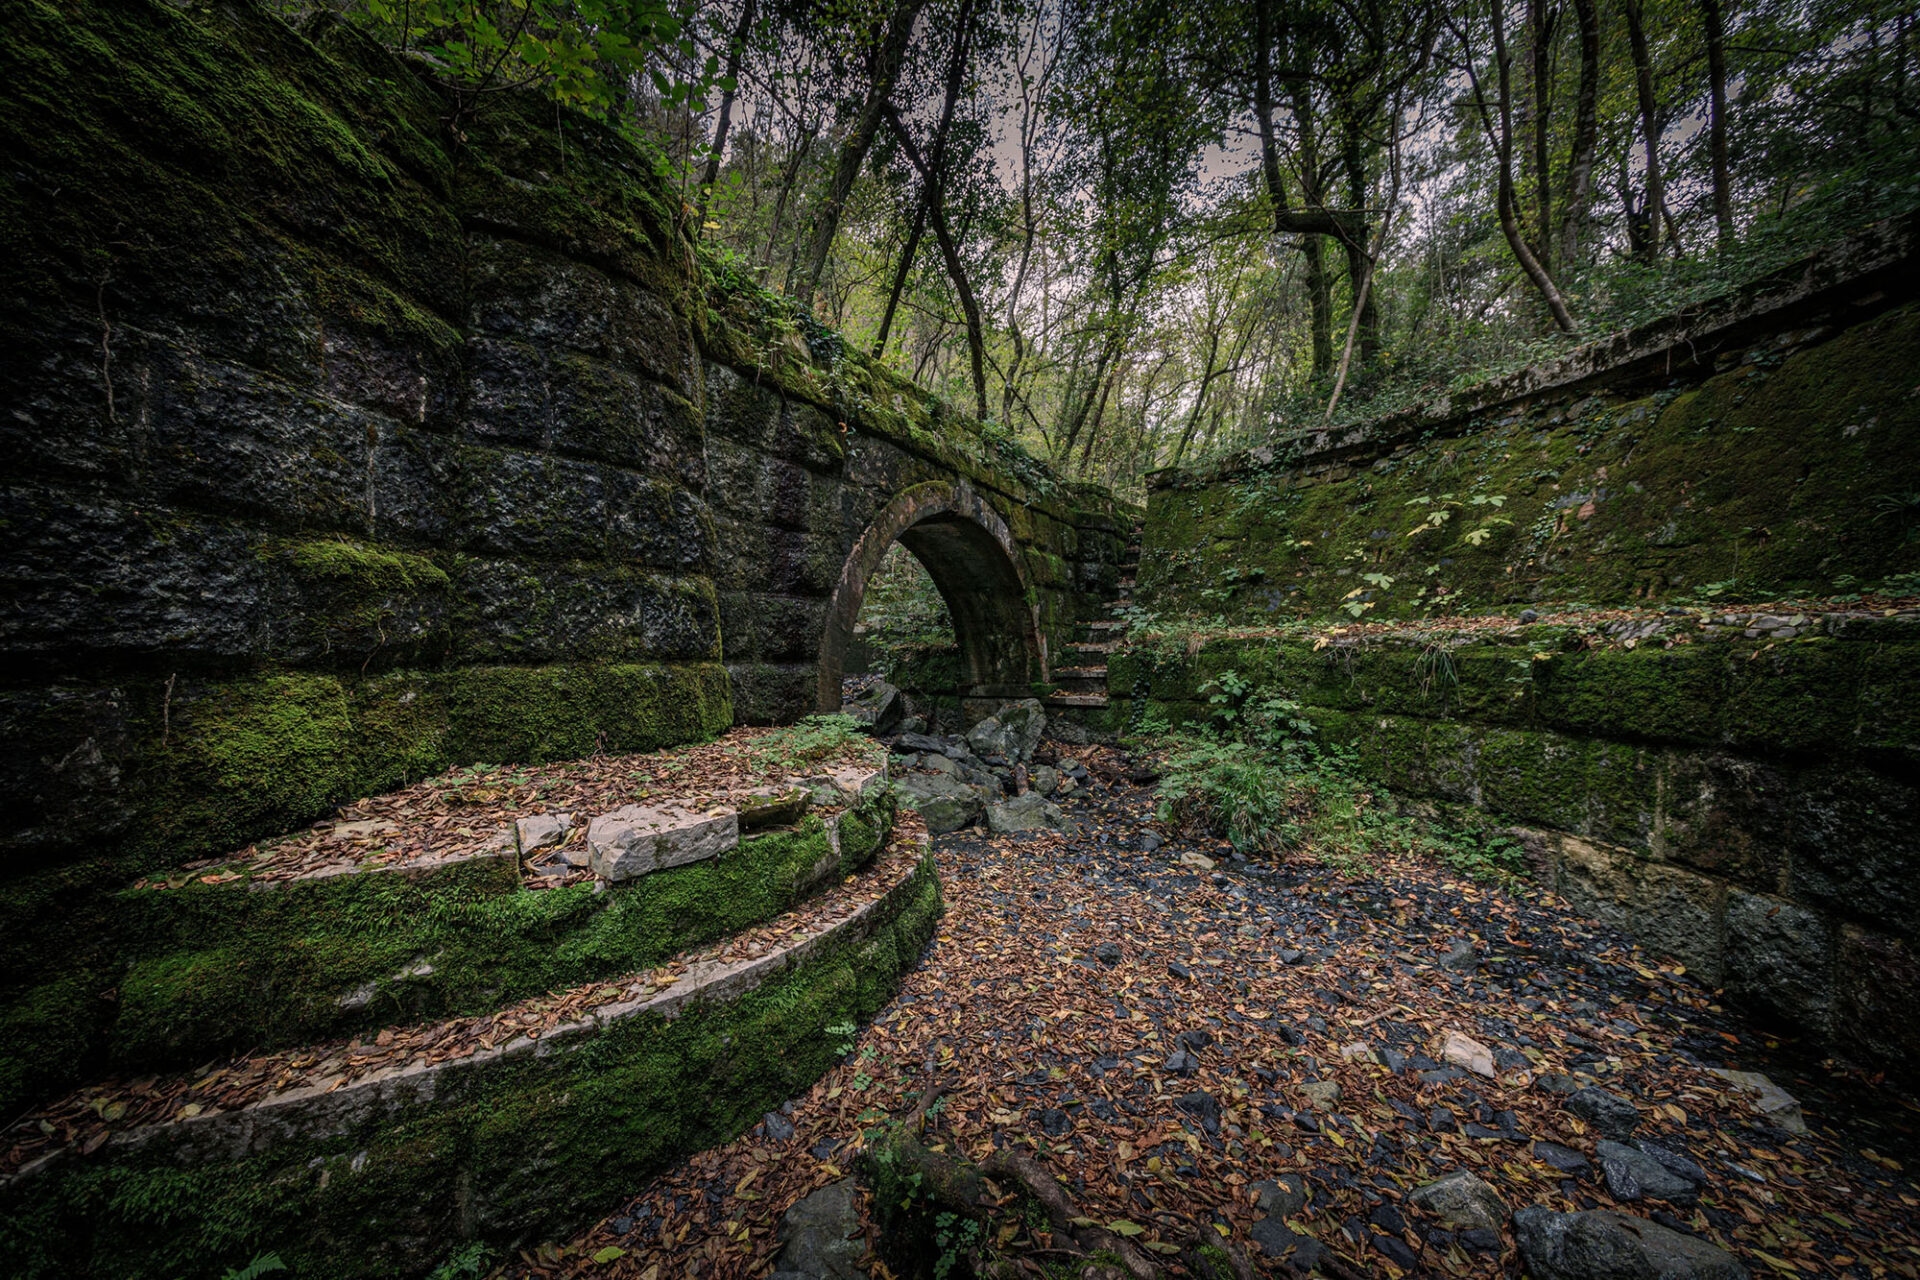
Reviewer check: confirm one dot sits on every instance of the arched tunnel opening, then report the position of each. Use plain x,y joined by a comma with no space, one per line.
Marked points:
967,554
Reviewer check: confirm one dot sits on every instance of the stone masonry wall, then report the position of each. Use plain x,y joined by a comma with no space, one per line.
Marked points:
351,437
1737,788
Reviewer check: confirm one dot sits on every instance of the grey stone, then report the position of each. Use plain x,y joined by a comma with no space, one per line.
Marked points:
1012,733
948,813
1046,779
1779,955
1030,812
778,1127
1321,1093
1461,1202
1281,1197
1603,1244
817,1237
1634,1175
879,706
542,831
909,741
1767,1098
638,839
1610,1113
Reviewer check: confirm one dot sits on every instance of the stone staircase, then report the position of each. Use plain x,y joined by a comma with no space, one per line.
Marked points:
1082,680
402,1049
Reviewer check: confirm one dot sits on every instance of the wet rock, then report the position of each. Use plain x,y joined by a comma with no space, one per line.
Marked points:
1609,1113
1183,1063
1107,953
1769,1099
911,742
1277,1240
1012,733
1321,1093
1462,958
1674,1162
816,1237
1632,1174
1565,1159
1281,1197
1461,1202
879,708
1204,1108
944,814
1603,1244
1055,1123
1198,1038
778,1127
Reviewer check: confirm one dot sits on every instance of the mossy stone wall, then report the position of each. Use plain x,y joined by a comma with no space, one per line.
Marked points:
354,434
1768,449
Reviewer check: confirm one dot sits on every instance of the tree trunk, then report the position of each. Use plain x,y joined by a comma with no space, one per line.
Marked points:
740,33
1717,121
788,177
884,69
1540,24
1649,123
1586,134
900,274
1501,136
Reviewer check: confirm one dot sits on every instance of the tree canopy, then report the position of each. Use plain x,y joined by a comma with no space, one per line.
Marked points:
1137,233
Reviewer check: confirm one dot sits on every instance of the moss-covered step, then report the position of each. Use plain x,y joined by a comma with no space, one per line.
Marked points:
356,1159
255,963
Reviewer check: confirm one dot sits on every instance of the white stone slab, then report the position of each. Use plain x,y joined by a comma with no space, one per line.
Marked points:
640,839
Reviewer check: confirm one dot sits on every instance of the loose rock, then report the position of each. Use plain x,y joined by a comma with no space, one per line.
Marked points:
1603,1244
1462,1202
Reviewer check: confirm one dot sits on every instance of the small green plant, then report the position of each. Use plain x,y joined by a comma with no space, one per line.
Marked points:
262,1264
809,741
843,1034
469,1262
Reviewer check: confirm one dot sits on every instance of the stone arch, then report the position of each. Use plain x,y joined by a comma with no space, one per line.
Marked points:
970,554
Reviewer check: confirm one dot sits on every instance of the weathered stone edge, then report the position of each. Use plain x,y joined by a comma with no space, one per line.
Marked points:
1850,267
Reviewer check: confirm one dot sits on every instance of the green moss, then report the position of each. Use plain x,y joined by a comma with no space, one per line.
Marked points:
533,714
218,967
516,1150
363,569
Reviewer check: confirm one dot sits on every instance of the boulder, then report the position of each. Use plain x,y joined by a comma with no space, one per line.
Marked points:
946,814
1603,1244
1461,1202
1012,733
1046,780
1610,1113
637,839
879,707
1030,812
1635,1175
920,742
817,1237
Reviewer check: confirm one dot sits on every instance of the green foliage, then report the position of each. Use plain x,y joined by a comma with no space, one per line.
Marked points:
586,53
262,1264
807,741
470,1262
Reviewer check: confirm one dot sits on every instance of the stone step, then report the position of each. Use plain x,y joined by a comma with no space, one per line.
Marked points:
1080,673
1110,624
1102,647
564,1081
347,939
1076,700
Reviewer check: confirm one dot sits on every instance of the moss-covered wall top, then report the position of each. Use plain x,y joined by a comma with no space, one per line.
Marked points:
1765,448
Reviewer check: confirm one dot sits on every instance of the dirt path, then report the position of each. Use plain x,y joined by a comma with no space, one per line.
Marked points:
1163,1038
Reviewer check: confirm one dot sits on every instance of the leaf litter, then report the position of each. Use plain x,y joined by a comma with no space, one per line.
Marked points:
1258,985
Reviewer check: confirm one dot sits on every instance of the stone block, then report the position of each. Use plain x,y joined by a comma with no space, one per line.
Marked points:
1727,816
1853,846
635,840
1877,1005
1779,956
1667,909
